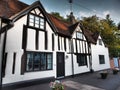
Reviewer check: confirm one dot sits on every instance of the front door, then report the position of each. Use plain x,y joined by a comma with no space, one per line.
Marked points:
60,65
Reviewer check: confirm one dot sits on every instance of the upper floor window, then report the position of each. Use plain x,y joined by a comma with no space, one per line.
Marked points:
101,59
36,21
100,41
79,35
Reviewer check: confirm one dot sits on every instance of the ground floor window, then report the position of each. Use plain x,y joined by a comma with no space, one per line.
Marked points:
101,59
39,61
82,59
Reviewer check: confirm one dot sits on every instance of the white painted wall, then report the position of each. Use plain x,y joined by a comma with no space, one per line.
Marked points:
68,65
14,44
80,69
96,51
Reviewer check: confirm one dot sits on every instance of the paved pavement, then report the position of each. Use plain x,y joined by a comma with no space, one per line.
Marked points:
88,81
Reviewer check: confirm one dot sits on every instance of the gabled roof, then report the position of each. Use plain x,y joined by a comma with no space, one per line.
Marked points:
67,29
89,36
15,9
11,7
18,14
64,28
95,36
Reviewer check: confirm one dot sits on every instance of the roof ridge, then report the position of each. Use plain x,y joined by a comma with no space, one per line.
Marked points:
66,23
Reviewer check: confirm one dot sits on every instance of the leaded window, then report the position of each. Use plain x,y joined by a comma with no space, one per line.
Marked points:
39,61
36,21
79,35
82,59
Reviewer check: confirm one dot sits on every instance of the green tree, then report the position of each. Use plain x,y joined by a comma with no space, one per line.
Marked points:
91,23
107,29
57,15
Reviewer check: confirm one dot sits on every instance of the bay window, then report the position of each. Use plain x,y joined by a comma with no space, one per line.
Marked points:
39,61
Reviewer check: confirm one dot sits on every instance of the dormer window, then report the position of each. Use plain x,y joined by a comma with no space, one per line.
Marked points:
79,35
36,21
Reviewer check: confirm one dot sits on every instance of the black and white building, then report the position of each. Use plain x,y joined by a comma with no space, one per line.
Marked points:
37,45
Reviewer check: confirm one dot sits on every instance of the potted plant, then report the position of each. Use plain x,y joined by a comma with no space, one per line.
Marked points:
104,74
57,85
115,71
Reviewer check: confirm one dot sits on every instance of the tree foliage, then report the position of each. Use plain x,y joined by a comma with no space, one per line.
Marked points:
108,30
57,15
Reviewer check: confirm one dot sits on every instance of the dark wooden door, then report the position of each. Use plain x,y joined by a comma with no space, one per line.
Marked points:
60,64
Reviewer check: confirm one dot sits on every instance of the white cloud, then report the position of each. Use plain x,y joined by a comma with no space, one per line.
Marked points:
87,14
83,14
106,13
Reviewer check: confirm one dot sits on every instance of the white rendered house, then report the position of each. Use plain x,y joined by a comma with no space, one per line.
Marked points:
100,55
36,45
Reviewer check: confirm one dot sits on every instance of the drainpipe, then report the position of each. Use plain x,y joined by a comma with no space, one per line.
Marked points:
72,58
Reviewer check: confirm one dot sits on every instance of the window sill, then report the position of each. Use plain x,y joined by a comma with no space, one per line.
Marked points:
38,71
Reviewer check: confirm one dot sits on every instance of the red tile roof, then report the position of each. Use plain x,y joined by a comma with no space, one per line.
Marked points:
63,27
11,7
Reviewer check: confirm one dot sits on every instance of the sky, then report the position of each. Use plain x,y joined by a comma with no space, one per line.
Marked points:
83,8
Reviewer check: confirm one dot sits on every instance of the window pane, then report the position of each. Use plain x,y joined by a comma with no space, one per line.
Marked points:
42,20
36,21
41,27
31,24
82,60
29,66
101,59
100,42
31,20
36,61
42,23
79,35
49,66
31,16
49,55
49,60
37,25
43,62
